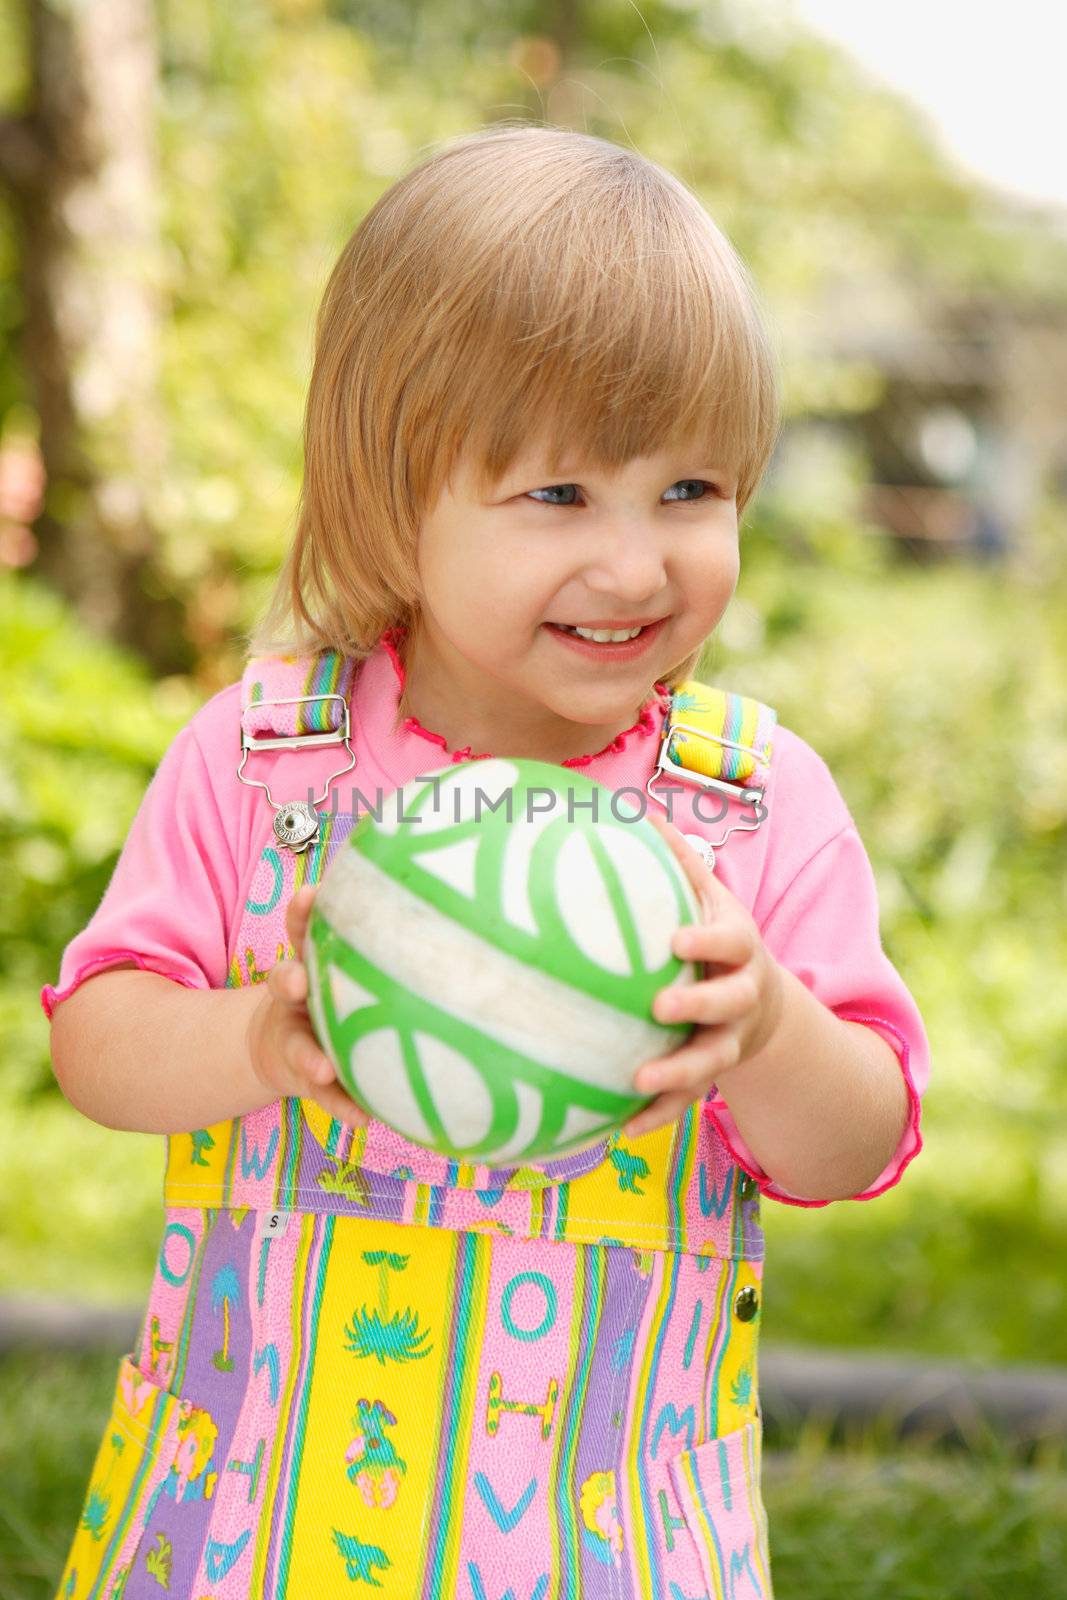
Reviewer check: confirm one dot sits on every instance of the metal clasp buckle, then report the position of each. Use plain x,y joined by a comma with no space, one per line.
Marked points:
666,764
296,823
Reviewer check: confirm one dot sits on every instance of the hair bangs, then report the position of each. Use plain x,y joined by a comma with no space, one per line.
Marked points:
666,385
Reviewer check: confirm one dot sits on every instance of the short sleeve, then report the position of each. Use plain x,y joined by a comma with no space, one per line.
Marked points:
825,928
169,903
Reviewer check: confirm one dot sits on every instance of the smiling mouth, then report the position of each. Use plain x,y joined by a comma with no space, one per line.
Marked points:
609,644
606,632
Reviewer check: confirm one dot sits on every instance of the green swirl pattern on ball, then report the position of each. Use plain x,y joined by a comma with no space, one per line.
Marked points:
484,985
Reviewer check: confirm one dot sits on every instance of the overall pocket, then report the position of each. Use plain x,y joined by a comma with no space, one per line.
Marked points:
141,1526
719,1489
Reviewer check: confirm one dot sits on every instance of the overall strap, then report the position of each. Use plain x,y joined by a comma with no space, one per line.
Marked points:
295,702
717,740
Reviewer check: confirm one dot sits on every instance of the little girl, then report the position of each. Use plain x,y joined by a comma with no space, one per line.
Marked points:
541,397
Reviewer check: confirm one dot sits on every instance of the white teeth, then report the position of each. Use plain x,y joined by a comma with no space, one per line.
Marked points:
604,635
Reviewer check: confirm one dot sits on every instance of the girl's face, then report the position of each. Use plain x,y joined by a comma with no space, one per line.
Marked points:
654,543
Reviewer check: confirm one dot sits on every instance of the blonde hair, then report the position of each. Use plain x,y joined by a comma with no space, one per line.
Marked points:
521,283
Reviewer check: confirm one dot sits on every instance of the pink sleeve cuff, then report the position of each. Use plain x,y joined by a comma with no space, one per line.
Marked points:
717,1112
51,997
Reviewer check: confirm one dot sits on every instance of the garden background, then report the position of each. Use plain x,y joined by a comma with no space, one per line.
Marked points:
175,183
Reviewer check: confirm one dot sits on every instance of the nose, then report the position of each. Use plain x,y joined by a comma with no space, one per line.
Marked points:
628,564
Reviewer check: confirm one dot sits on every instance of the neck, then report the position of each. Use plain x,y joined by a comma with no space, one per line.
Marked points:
530,733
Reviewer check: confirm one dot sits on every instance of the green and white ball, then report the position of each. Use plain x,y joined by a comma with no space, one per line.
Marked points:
484,983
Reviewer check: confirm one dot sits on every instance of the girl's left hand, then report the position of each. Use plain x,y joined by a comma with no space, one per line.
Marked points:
736,1009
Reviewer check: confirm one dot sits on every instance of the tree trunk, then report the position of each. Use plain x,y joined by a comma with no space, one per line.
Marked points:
80,166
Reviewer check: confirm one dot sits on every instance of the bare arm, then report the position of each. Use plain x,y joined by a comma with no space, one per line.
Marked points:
823,1105
135,1050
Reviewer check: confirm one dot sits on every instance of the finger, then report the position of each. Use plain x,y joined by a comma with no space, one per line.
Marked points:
306,1059
288,982
701,880
725,998
715,1050
661,823
333,1099
297,914
726,943
663,1109
300,903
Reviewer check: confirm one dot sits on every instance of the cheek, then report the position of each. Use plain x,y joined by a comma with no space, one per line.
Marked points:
715,571
449,577
499,592
486,588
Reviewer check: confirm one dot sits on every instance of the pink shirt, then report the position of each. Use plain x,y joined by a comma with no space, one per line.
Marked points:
172,905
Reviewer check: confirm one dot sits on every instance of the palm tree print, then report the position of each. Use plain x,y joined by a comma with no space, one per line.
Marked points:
376,1333
345,1178
98,1501
629,1170
360,1559
741,1387
225,1292
158,1561
202,1140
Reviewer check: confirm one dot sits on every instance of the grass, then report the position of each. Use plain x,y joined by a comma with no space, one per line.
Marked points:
914,1525
905,1523
54,1410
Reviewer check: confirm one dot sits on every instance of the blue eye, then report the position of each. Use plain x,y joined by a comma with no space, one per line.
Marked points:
699,482
554,488
559,488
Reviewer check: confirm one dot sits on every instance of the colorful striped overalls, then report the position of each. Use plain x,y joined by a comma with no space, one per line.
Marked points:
364,1367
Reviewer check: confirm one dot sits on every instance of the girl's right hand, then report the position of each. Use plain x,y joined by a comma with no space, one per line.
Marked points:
285,1054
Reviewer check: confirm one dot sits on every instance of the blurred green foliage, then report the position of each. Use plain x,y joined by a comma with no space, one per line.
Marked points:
934,694
83,730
